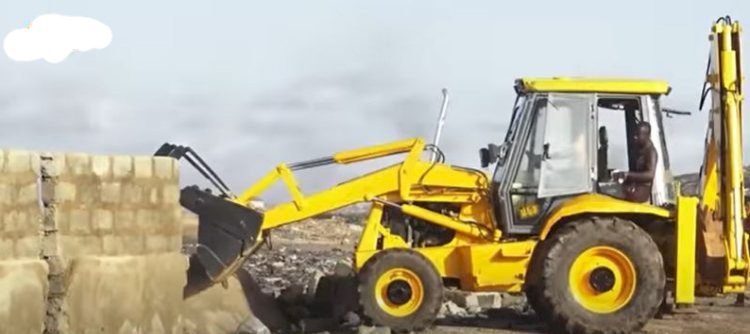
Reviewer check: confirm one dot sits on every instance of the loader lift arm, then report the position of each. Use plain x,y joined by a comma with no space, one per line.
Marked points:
230,230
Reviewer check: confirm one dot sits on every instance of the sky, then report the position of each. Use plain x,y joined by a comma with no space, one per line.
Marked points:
250,84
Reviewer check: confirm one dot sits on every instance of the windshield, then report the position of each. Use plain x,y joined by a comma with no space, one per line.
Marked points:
515,120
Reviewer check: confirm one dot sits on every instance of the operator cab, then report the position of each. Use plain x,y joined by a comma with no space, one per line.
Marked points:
565,138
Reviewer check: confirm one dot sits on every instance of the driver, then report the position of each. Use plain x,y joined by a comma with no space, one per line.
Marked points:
636,184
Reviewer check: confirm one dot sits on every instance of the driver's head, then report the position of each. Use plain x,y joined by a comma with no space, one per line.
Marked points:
643,133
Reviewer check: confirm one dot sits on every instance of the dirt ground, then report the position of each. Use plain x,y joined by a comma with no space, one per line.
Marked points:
716,315
713,316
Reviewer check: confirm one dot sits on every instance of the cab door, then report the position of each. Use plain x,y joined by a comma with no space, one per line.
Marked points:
553,160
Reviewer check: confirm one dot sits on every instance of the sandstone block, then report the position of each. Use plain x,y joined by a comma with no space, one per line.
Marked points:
144,167
78,163
64,192
7,249
110,192
28,247
103,220
113,245
125,220
101,165
132,193
28,194
164,167
80,221
6,194
18,162
171,194
122,166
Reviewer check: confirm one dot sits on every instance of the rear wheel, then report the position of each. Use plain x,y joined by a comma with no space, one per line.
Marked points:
597,275
401,289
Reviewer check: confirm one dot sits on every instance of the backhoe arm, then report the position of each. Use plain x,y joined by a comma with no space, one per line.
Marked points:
722,174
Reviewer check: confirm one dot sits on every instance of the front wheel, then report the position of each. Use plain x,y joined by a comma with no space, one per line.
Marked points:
400,289
597,275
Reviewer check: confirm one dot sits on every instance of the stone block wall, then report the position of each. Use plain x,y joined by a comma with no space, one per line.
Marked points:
113,237
23,274
90,244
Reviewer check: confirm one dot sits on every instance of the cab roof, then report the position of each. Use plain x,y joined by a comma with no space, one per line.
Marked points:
593,85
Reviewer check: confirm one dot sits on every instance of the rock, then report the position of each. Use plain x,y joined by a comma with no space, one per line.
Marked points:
350,319
343,269
475,300
252,325
373,330
293,294
450,309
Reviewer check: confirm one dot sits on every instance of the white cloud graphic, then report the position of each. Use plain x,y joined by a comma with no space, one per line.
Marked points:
54,37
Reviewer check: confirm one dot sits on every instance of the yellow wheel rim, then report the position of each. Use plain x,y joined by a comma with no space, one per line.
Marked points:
602,279
399,292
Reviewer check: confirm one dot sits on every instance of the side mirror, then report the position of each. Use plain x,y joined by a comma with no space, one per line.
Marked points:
491,154
484,157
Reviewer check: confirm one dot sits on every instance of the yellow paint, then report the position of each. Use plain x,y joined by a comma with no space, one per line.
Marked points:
399,276
599,204
686,239
594,85
614,260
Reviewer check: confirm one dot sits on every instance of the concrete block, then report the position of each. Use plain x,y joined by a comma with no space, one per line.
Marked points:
78,163
101,165
52,164
110,192
144,167
122,166
103,220
80,221
128,292
64,192
28,247
49,245
18,162
28,194
164,167
475,300
23,289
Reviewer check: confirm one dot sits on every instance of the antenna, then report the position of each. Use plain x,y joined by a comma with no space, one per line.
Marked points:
440,123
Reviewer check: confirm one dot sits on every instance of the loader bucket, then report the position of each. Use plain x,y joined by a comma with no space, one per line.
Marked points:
226,233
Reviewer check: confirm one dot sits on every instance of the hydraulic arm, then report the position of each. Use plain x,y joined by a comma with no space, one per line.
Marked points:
722,200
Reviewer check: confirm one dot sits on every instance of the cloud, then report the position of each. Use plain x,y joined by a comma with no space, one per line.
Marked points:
54,37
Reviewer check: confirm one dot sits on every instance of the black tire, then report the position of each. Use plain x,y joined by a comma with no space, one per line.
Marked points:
549,290
401,259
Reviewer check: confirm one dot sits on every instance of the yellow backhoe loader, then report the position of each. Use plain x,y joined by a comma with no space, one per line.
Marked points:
550,221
